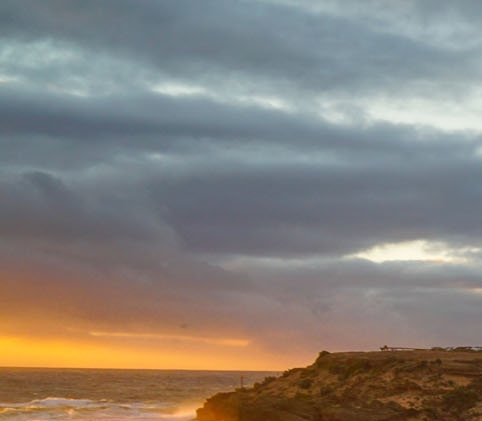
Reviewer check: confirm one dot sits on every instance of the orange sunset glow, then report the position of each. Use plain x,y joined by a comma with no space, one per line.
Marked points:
227,185
17,352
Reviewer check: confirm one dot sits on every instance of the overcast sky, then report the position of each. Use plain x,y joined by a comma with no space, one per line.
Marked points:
252,181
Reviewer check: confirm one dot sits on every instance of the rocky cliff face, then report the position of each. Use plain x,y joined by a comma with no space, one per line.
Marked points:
375,386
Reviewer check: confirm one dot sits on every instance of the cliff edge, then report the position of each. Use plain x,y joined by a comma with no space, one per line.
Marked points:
362,386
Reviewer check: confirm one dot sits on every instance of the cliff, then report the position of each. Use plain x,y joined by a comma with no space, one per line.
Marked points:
372,386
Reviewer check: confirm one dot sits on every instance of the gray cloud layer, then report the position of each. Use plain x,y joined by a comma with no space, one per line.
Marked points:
221,161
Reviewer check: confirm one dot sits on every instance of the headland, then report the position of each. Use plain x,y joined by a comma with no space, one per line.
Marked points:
389,385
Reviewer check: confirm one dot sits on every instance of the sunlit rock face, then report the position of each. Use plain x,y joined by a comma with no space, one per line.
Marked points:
375,386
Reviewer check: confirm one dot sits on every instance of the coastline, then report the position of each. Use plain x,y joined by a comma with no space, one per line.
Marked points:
362,386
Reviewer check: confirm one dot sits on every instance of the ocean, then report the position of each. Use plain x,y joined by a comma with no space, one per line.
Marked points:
35,394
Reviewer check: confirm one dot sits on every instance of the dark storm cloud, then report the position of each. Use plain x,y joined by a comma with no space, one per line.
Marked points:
367,195
303,209
145,114
257,42
101,259
146,196
39,205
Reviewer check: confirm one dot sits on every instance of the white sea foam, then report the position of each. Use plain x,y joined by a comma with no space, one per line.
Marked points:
111,395
53,402
85,409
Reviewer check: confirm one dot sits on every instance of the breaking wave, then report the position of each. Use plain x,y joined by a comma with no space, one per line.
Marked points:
85,409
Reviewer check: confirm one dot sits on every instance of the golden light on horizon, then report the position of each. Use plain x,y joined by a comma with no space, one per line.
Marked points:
184,338
26,352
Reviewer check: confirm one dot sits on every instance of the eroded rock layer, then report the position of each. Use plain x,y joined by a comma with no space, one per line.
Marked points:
374,386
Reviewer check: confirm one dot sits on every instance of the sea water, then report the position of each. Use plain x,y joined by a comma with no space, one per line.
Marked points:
28,394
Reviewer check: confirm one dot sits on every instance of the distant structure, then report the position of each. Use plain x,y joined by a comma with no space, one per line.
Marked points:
400,348
463,348
435,348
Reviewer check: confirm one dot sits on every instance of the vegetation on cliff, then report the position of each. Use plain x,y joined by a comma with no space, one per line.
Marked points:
372,386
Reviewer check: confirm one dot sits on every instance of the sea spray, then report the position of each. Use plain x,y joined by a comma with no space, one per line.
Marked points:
111,395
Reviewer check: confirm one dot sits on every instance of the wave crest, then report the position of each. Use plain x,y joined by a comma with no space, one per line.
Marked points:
86,409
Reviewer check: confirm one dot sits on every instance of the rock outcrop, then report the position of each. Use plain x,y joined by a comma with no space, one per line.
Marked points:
373,386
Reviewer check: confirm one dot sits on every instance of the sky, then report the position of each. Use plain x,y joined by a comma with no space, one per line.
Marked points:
225,184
